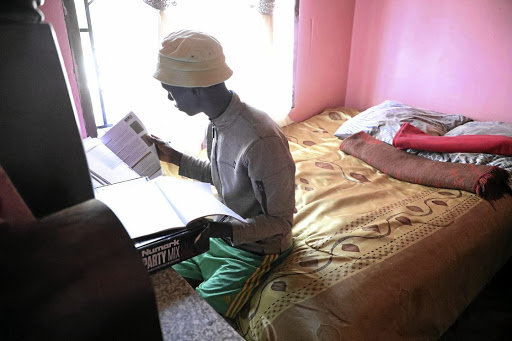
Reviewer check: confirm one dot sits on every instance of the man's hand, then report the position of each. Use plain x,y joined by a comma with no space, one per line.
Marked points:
165,152
219,230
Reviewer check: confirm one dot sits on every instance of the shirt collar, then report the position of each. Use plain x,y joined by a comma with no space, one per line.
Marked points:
230,114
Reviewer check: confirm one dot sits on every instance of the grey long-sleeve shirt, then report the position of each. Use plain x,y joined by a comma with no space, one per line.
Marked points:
250,165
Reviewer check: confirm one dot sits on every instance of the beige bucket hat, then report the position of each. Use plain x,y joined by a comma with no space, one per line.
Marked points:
191,59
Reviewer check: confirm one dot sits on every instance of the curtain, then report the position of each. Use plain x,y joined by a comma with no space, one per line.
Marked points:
160,5
257,37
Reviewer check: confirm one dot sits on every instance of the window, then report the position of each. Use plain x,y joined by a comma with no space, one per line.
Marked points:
120,41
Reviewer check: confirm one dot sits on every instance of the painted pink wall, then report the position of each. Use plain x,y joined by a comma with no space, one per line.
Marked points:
54,15
323,52
452,56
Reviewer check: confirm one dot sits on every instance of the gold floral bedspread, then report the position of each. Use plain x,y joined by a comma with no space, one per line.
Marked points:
373,257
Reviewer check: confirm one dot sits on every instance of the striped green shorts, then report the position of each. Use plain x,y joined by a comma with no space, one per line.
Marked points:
228,274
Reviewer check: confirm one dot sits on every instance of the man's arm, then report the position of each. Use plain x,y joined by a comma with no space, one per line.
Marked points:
272,172
189,166
195,168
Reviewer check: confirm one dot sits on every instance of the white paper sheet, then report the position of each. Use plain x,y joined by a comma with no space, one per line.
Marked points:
193,199
128,140
140,206
147,207
105,167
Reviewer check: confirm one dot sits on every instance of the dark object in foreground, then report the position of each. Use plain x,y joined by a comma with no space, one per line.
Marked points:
75,275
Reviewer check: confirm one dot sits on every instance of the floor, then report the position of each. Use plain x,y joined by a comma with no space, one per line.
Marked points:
489,317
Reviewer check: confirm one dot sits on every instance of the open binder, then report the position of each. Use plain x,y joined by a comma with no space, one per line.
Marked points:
164,216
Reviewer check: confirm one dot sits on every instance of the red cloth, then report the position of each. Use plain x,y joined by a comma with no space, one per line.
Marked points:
411,137
487,182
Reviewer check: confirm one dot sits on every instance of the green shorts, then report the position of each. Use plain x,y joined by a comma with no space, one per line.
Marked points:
228,274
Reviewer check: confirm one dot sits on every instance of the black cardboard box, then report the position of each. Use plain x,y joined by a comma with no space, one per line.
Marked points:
165,251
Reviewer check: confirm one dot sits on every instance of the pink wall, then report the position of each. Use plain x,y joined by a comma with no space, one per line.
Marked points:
54,14
324,34
452,56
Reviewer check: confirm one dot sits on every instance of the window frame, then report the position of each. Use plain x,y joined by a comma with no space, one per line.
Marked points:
79,66
74,36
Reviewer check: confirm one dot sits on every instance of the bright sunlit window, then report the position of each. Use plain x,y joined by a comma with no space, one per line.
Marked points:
126,34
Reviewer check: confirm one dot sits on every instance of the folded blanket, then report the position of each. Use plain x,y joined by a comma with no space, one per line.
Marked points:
487,182
411,137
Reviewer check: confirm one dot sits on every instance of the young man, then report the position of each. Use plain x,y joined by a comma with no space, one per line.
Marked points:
249,164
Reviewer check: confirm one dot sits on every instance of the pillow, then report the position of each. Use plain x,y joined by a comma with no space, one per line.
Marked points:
482,128
475,128
384,120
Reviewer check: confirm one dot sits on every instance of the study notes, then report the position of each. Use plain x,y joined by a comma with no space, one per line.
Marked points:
148,208
122,153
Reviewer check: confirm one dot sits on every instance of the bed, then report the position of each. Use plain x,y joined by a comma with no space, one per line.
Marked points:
375,257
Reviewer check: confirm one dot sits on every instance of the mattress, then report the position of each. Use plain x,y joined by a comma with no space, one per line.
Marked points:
373,257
